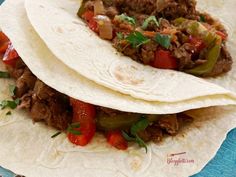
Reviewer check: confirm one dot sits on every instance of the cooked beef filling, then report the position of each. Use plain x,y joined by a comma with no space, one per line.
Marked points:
48,105
166,34
45,104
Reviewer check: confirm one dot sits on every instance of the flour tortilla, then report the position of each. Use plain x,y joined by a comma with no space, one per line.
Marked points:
55,74
27,148
68,37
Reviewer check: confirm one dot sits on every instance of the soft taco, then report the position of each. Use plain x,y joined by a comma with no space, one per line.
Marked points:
71,40
165,34
56,104
63,99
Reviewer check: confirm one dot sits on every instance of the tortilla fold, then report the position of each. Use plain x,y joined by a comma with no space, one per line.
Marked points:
73,43
55,74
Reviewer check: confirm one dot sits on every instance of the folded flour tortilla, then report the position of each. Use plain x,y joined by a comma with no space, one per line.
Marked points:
55,74
28,149
68,37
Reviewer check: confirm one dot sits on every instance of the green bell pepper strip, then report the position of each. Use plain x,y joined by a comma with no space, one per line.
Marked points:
193,28
211,40
211,57
121,121
179,21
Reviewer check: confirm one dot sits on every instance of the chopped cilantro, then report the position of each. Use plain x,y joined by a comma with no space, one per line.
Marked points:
4,74
202,18
17,101
149,20
126,18
127,137
72,128
141,125
141,143
56,134
163,40
120,35
12,89
136,39
9,104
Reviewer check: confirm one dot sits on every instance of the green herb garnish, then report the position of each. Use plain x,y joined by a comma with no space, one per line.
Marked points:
56,134
12,89
202,18
126,18
163,40
141,125
120,35
8,113
149,20
17,101
136,39
9,104
72,129
4,74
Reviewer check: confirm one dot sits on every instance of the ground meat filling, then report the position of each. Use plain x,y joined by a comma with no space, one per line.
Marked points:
47,105
169,9
120,20
44,103
166,125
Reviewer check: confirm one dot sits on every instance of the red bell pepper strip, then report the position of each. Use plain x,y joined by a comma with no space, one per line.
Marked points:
89,17
3,43
3,47
84,114
10,57
164,60
116,139
197,43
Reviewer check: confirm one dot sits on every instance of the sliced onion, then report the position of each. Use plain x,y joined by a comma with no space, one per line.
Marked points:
99,8
104,26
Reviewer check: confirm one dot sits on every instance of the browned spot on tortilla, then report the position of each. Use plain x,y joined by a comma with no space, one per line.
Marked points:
41,6
76,22
59,30
135,164
122,75
198,126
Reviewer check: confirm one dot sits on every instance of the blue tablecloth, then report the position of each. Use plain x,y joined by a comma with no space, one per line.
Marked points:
222,165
